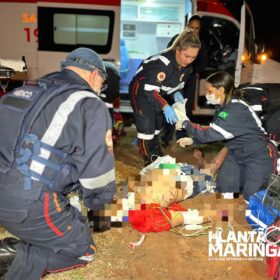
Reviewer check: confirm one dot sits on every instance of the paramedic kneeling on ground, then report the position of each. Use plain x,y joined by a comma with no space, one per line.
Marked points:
251,157
56,138
156,77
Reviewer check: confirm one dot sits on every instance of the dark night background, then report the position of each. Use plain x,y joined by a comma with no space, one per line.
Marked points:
267,20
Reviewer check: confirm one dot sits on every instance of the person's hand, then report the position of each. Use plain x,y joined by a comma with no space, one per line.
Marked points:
170,115
186,141
210,169
179,125
180,110
178,97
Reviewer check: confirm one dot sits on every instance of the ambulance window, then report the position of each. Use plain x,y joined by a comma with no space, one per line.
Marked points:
225,30
63,29
81,29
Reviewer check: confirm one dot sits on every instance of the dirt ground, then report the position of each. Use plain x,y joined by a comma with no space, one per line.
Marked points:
165,255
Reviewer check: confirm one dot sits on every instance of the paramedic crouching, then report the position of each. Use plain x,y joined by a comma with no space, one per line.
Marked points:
56,138
249,156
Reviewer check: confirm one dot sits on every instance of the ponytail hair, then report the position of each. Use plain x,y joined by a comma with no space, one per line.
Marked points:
186,39
225,80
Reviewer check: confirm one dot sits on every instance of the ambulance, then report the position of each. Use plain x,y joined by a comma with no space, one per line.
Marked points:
227,29
43,32
127,31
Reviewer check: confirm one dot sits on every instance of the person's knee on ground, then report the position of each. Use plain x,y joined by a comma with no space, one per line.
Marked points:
7,254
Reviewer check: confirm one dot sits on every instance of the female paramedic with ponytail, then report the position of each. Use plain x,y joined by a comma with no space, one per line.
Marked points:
158,76
250,157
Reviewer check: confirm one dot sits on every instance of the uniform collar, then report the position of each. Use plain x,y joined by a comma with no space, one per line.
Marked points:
172,57
75,77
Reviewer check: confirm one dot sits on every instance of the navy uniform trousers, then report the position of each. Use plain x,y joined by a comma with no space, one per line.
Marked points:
148,121
55,236
246,172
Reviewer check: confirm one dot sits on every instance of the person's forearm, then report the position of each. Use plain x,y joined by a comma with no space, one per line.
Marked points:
216,163
220,157
177,218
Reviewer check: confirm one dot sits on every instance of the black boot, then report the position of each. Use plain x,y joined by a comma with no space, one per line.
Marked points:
7,254
147,160
156,148
164,143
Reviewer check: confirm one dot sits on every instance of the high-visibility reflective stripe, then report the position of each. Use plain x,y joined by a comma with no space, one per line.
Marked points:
139,69
164,88
151,87
225,133
248,214
109,105
256,108
57,124
87,258
165,60
145,136
157,132
256,88
99,181
258,121
178,87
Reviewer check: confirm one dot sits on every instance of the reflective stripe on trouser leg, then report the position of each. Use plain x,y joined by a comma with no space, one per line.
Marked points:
52,231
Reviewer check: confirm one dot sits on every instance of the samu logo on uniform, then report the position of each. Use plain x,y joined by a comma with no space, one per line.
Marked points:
23,94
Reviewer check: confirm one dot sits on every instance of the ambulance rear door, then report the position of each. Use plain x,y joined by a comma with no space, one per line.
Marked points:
247,48
220,34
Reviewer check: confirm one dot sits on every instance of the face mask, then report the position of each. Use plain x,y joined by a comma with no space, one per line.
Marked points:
211,99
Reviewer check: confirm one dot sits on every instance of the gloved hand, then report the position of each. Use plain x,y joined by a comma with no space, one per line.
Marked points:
178,97
186,141
170,115
180,110
192,217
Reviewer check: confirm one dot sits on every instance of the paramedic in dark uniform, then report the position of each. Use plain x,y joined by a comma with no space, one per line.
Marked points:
264,98
158,76
111,96
189,90
251,157
198,66
60,131
111,89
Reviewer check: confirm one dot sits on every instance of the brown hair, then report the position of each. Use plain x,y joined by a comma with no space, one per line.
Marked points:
226,80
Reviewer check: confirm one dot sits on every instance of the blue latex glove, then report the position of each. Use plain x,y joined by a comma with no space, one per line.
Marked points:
178,97
170,115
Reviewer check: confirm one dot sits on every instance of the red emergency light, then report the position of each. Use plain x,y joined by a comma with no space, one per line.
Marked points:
213,6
